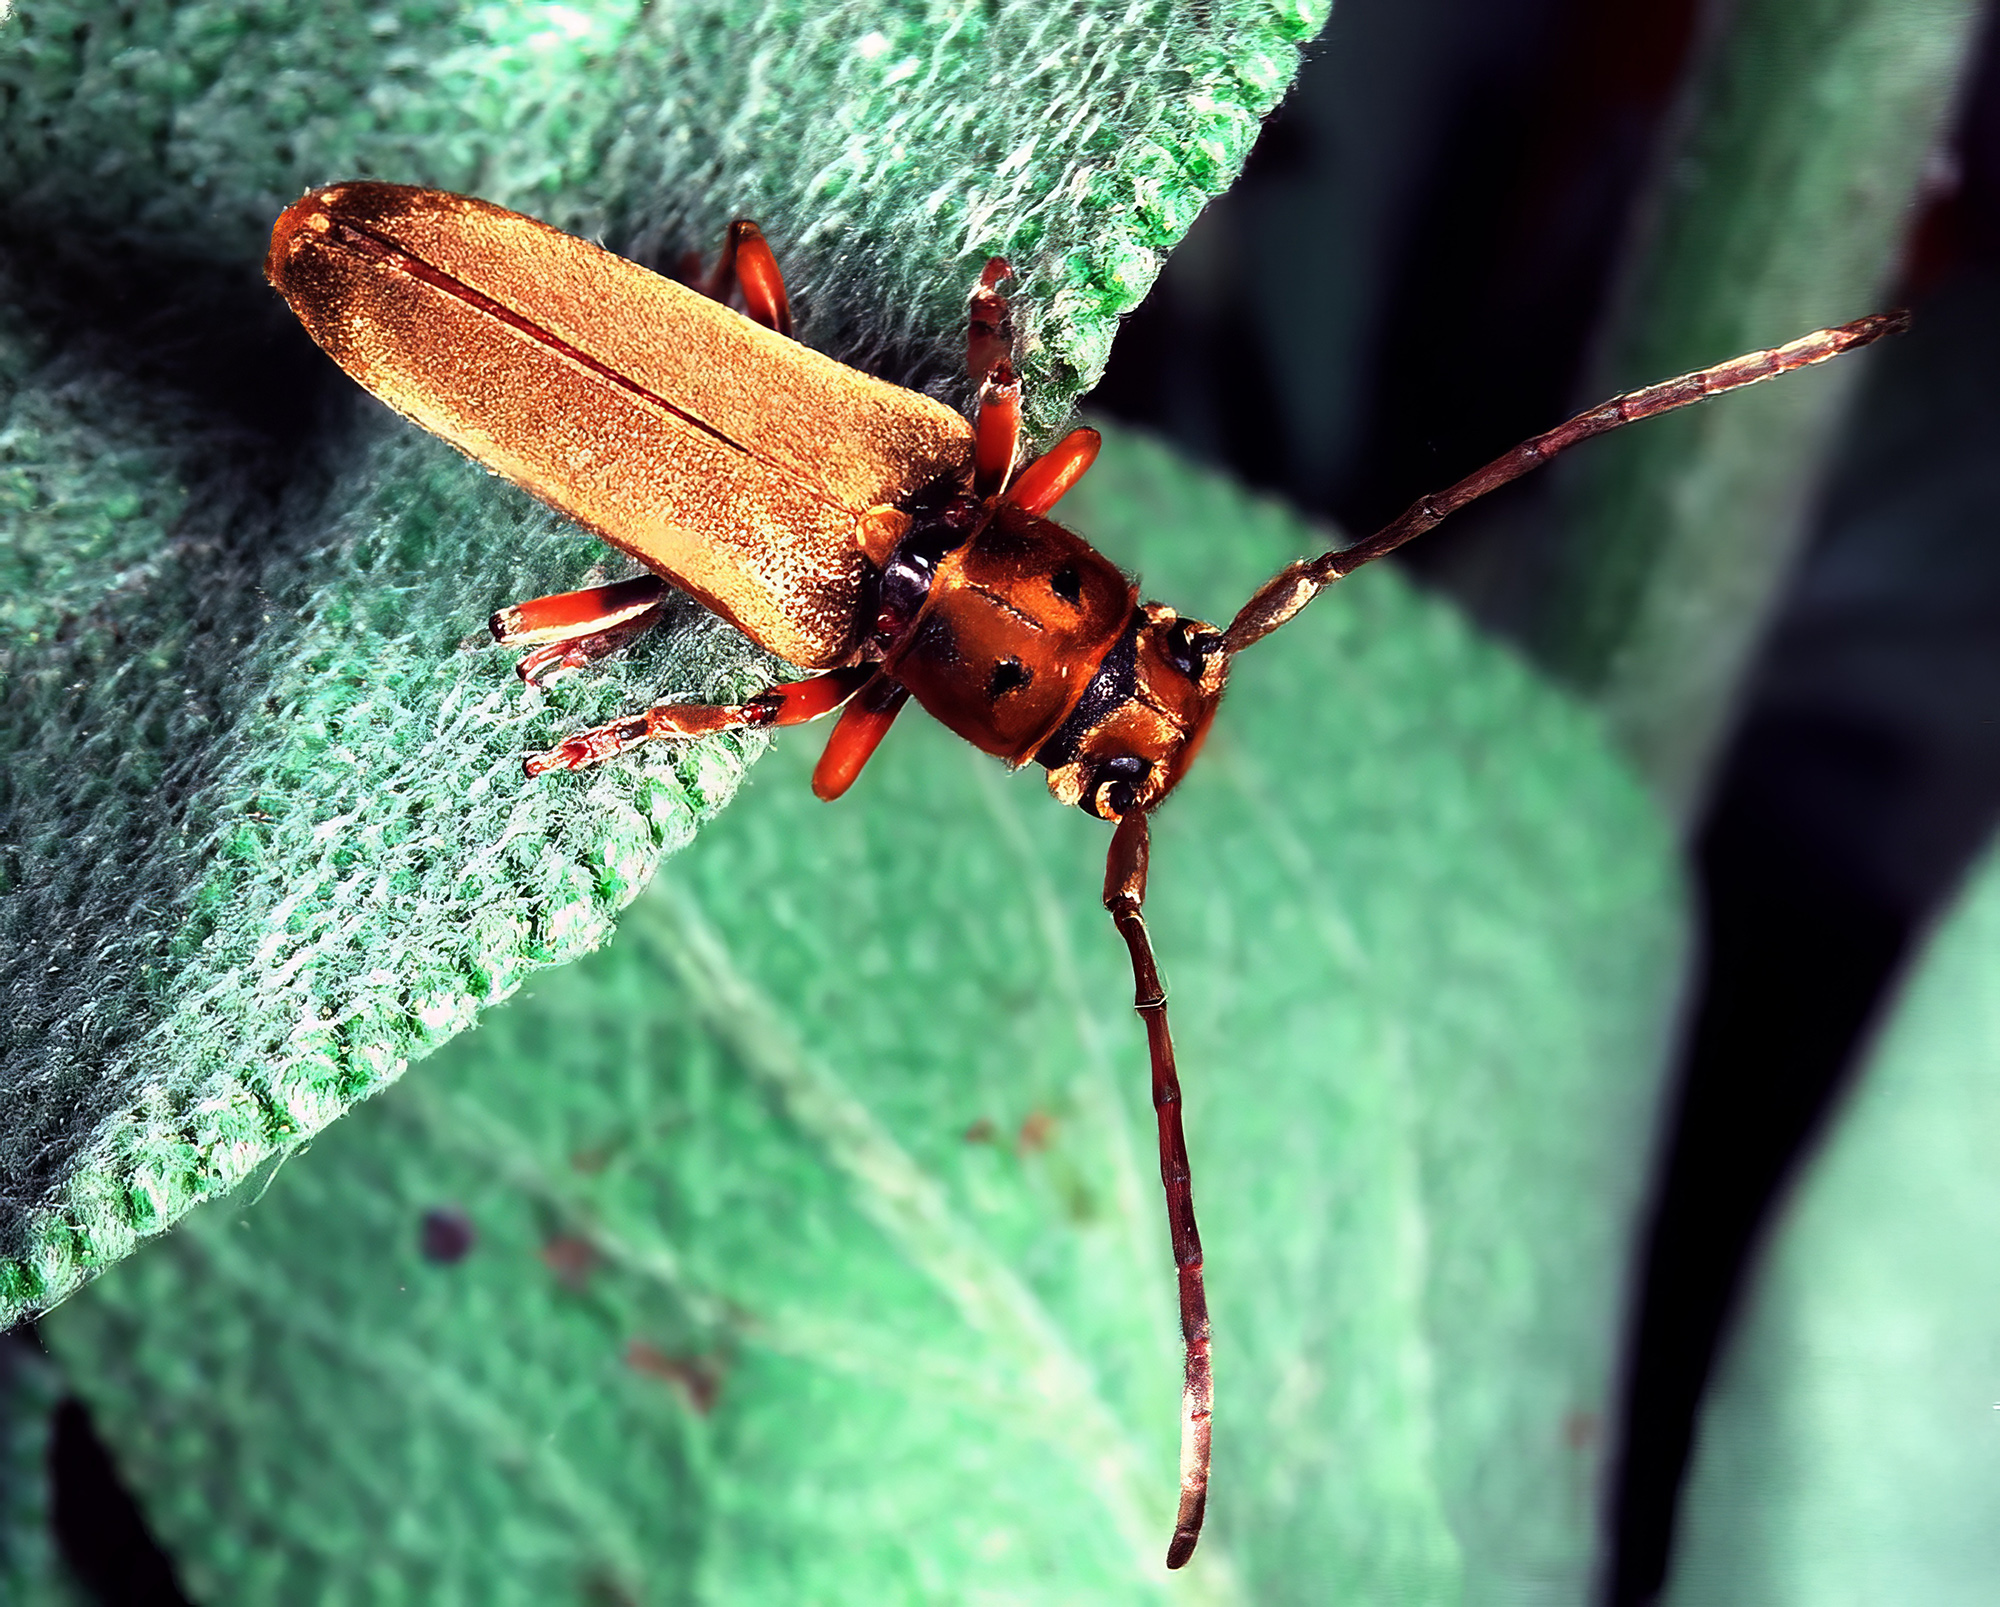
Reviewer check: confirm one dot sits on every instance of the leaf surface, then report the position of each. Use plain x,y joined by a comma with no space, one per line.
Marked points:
818,1250
262,837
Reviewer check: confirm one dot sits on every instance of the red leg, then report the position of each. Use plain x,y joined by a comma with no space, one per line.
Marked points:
863,725
746,263
1044,483
791,704
569,614
1124,894
996,431
989,332
570,629
989,359
544,664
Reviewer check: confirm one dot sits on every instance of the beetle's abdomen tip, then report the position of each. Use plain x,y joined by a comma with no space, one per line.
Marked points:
313,217
306,219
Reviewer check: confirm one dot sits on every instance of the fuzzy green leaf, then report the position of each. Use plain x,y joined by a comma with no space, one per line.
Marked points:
849,1127
1850,1450
262,834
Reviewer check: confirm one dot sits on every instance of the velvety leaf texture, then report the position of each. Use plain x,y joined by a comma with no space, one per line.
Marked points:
263,837
1849,1453
805,1244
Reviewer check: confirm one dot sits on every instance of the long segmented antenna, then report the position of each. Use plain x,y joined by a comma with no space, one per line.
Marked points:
1276,602
1286,593
1124,896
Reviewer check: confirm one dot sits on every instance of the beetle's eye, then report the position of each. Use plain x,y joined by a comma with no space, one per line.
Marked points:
1187,644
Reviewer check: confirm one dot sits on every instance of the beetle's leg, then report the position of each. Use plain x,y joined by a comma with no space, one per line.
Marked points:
571,628
989,360
863,724
746,263
568,614
996,430
792,703
989,328
1044,483
1124,895
544,664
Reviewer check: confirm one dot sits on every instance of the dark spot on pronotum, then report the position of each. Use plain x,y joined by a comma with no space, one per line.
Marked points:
1009,675
1067,584
982,1131
446,1236
1109,687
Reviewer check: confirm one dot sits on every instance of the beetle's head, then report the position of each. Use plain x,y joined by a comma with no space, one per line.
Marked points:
1142,720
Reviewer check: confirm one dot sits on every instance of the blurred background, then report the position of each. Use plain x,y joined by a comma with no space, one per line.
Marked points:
1422,266
1433,254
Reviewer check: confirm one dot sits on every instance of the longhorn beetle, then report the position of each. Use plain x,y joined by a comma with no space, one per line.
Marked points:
852,527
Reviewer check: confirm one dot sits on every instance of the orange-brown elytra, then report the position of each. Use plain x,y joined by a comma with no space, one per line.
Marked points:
852,527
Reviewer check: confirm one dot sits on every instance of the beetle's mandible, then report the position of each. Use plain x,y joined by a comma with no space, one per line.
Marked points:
850,526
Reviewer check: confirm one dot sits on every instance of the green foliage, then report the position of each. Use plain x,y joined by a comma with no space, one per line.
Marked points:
1848,1452
818,1253
261,827
849,1128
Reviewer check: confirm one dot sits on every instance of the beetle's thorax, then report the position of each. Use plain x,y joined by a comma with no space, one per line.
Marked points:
1024,640
1014,623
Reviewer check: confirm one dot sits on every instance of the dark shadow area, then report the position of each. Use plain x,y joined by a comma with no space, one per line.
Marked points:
215,336
103,1538
1408,278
